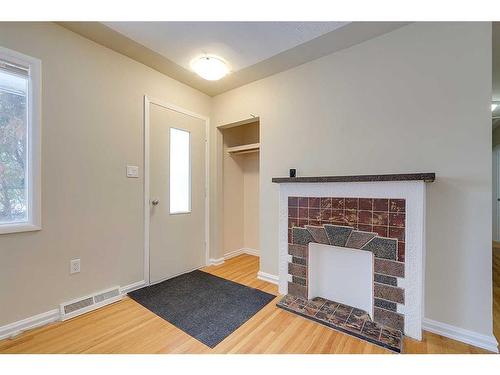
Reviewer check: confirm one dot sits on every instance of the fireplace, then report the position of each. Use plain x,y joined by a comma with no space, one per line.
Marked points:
351,253
328,267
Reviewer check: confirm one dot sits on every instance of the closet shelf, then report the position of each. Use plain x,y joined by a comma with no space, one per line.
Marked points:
244,149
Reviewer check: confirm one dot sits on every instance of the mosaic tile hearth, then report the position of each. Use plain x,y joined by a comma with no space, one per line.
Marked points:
345,319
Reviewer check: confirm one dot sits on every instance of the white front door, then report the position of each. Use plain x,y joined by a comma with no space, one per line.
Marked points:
176,192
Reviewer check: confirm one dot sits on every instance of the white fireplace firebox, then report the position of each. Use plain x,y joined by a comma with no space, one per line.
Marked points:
341,274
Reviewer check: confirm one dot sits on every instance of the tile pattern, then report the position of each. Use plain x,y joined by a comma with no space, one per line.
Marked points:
358,239
337,235
384,279
382,303
371,224
345,319
386,217
385,248
318,234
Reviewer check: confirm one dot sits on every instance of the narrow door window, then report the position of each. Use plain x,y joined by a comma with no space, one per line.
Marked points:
180,171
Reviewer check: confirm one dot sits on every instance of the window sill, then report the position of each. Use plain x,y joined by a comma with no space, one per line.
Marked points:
17,228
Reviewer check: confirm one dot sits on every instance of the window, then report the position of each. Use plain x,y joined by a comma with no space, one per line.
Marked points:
180,171
19,142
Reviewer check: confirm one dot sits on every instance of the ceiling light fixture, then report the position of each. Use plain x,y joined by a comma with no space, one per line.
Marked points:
493,106
210,68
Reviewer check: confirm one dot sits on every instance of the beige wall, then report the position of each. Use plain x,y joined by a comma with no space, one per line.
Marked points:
413,100
233,236
251,236
92,127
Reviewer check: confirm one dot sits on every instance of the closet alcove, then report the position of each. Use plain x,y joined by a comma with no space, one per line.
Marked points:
241,144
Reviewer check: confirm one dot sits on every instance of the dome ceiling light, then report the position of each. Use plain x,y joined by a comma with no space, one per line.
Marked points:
211,68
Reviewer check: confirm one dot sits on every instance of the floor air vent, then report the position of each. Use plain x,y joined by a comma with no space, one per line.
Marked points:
85,304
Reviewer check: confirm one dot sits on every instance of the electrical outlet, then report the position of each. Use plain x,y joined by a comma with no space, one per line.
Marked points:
74,266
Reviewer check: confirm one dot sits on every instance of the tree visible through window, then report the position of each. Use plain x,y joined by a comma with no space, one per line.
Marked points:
13,147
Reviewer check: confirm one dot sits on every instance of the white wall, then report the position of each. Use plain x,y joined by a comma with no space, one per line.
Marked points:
413,100
92,126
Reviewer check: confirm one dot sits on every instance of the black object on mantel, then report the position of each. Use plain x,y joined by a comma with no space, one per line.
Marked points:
426,177
293,173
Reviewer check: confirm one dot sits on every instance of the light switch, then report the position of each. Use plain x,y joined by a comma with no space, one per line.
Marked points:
132,171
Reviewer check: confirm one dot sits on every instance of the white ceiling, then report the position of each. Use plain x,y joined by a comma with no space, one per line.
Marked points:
254,50
241,44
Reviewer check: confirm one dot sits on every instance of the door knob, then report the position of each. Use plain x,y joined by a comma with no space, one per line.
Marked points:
155,202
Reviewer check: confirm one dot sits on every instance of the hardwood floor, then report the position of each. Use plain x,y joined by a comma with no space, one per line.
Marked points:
127,327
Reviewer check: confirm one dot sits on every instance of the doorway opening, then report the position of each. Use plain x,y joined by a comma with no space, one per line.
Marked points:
240,187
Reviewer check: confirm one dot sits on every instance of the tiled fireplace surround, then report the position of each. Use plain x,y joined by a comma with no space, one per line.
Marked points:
386,218
376,225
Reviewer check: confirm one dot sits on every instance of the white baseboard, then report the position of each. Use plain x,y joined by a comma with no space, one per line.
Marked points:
243,250
215,262
35,321
131,287
250,251
14,329
232,254
487,342
267,277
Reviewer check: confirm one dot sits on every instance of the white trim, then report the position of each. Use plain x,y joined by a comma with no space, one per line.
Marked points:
495,193
273,279
233,254
215,262
131,287
147,102
18,227
250,251
488,342
34,166
243,250
14,329
146,189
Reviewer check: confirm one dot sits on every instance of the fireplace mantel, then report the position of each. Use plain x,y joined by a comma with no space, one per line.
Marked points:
426,177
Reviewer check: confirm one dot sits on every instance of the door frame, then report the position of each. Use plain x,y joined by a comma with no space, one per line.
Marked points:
496,193
147,104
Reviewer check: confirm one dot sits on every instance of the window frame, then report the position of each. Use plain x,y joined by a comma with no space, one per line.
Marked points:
34,181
